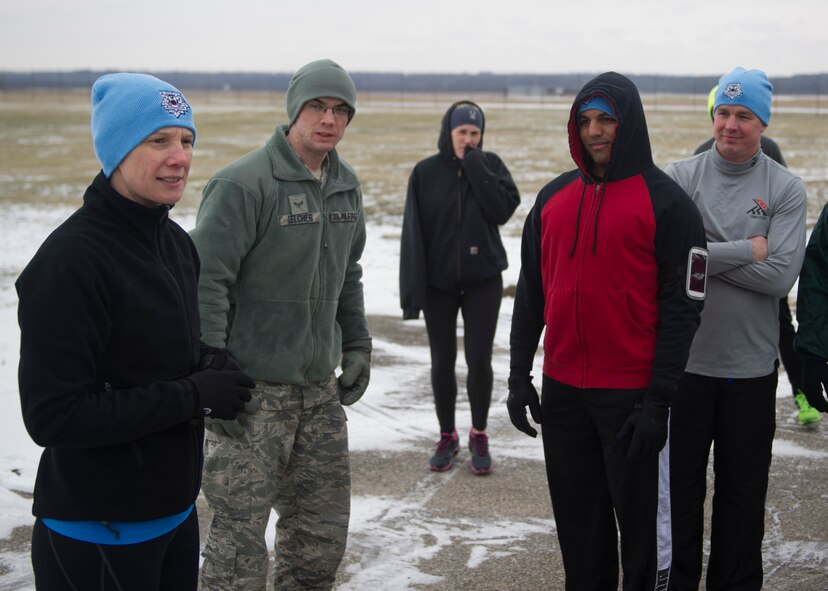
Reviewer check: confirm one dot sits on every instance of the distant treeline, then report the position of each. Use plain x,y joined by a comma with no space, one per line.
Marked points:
507,84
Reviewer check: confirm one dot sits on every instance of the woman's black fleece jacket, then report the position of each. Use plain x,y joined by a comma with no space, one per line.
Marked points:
450,235
109,325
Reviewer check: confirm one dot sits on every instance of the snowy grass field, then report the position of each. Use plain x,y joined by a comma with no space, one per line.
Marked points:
403,524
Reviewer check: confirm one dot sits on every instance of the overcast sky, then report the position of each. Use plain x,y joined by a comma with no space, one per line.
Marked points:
782,37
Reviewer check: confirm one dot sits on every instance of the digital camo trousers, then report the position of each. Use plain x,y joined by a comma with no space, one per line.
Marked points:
293,458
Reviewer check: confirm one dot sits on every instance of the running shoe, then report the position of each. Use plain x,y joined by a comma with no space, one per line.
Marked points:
447,448
480,462
807,413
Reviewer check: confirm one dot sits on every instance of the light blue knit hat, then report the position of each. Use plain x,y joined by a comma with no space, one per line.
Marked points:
597,102
748,88
126,108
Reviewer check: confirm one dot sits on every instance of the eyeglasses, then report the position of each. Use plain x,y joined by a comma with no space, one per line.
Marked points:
319,109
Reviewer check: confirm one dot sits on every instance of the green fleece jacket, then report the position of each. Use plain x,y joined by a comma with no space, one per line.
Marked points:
281,283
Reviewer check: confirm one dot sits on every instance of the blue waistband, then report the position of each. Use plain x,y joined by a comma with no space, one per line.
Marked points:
117,533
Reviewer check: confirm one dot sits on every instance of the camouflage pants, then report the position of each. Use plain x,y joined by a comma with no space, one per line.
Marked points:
293,458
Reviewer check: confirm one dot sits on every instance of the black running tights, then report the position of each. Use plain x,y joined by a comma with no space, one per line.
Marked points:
480,305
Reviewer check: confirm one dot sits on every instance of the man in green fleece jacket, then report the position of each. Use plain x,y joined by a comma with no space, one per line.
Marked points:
280,233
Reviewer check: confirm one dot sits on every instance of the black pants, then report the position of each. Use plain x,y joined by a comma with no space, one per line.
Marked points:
594,486
790,358
480,305
739,415
167,563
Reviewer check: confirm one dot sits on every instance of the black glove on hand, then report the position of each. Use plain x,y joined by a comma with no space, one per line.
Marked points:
221,394
231,428
648,424
815,376
356,372
216,358
522,394
411,314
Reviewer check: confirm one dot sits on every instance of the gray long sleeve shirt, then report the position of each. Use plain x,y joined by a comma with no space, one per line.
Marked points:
739,332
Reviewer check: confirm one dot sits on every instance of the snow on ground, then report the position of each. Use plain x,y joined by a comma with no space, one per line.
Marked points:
394,421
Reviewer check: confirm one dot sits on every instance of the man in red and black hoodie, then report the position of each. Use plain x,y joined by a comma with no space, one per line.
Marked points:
606,269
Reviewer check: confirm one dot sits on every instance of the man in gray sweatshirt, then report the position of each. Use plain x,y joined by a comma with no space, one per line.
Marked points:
754,217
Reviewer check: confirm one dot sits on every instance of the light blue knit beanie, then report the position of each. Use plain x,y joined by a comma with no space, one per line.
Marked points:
597,102
748,88
126,108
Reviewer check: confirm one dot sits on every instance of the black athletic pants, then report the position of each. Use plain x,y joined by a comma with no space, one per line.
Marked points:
480,305
594,486
739,416
167,563
790,358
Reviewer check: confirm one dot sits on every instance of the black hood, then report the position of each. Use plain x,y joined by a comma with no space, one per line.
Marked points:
631,153
444,144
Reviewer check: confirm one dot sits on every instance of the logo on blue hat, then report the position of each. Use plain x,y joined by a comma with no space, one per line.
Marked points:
174,103
733,90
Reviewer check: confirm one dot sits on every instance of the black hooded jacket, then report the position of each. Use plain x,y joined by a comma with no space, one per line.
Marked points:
450,234
108,327
604,263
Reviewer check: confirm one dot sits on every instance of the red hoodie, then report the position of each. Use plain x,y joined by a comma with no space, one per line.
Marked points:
604,263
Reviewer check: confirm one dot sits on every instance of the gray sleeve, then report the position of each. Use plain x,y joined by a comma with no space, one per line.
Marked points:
786,247
725,256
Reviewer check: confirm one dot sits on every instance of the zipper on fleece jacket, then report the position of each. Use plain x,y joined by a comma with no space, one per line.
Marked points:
188,313
320,265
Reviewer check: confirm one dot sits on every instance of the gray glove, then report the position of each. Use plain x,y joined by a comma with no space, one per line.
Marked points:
356,372
231,428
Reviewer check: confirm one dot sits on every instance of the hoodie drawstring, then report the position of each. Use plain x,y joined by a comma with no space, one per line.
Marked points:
597,213
578,223
595,225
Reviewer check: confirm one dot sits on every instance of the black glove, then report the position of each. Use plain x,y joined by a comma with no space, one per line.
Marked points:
221,394
216,358
411,314
815,376
522,394
648,424
356,372
231,428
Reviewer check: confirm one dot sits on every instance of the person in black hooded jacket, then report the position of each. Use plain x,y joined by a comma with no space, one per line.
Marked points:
114,381
606,268
451,258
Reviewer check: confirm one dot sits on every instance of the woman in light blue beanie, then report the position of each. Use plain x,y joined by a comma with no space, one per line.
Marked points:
126,108
114,381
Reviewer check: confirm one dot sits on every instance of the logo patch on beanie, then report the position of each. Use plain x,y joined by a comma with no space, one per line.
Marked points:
173,103
733,90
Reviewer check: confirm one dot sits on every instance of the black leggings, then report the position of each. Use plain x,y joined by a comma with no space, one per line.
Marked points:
790,358
480,305
167,563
